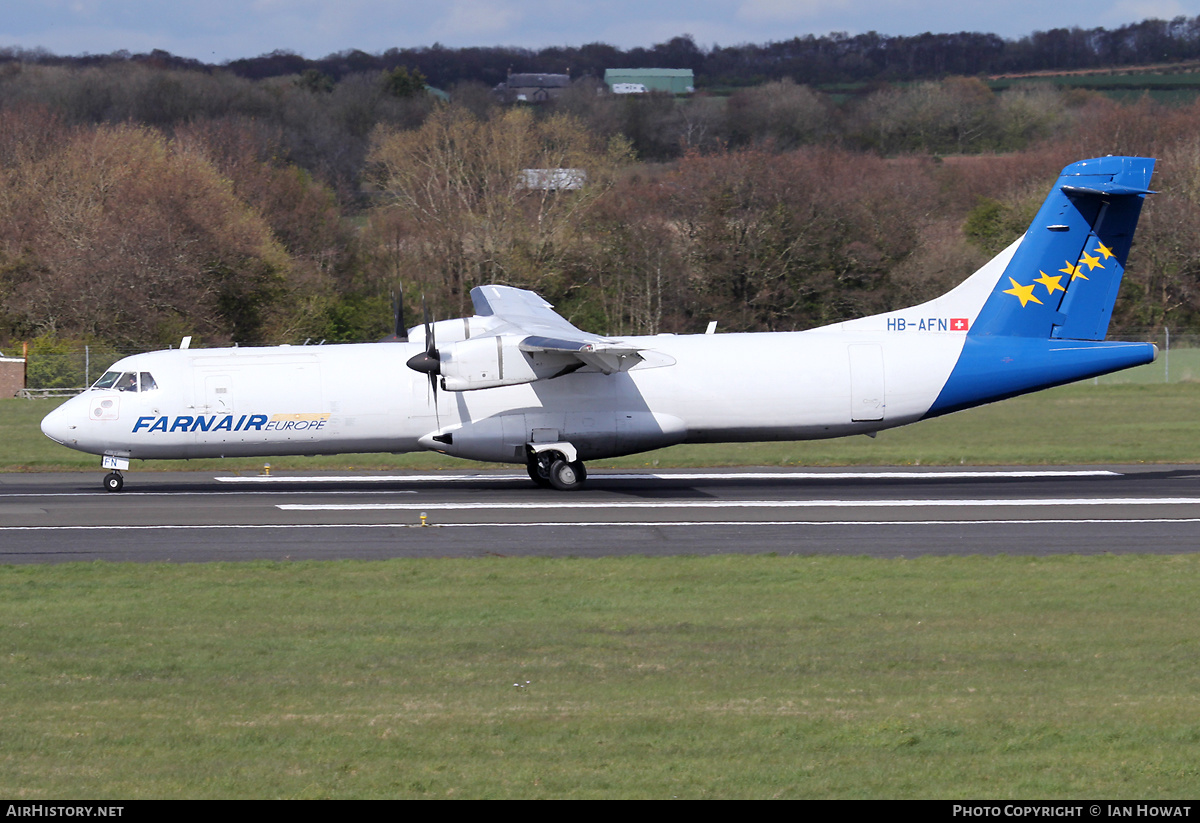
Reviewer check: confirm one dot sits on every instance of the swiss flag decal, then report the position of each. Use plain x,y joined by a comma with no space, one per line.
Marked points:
958,324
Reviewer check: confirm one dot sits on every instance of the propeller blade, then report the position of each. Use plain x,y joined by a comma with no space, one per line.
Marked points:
430,361
400,331
430,343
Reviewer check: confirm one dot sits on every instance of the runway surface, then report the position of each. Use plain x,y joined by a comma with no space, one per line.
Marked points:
197,517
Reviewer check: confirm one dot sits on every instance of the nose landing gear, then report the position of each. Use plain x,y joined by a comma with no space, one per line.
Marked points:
113,481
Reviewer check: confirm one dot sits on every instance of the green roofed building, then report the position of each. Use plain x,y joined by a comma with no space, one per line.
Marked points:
641,81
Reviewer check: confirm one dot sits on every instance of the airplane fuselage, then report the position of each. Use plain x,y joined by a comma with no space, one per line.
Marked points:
361,398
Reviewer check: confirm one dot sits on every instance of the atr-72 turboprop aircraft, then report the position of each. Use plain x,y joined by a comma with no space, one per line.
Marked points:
519,384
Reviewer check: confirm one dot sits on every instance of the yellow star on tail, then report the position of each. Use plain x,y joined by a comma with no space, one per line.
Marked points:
1091,261
1022,293
1073,271
1103,249
1051,282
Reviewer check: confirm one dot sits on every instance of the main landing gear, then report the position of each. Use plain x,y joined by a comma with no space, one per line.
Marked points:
555,469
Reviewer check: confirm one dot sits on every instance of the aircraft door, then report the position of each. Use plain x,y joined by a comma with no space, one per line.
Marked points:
215,395
867,390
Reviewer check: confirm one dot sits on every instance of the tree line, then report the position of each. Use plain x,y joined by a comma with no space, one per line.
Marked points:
837,57
121,233
139,205
325,127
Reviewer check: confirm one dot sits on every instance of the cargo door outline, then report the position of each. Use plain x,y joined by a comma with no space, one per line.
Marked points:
868,397
216,396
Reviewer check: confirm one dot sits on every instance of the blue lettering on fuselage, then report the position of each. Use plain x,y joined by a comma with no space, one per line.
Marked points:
188,423
920,324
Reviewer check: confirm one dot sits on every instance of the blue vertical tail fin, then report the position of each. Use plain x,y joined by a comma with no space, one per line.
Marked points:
1063,280
1043,321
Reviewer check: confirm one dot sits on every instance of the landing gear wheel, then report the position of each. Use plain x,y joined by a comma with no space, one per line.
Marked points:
113,482
566,476
539,470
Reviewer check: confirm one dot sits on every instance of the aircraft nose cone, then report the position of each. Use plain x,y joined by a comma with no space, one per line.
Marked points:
57,425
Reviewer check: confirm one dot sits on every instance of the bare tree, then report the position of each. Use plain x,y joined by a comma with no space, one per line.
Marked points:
497,200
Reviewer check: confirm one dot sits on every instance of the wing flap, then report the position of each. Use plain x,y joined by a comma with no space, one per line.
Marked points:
606,357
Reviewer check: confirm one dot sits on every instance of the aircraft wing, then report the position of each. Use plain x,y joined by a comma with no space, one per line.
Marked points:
542,330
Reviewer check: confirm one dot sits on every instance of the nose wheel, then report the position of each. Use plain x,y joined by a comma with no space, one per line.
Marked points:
113,481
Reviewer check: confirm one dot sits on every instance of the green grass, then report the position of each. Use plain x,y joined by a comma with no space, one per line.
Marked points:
1087,422
1179,88
789,677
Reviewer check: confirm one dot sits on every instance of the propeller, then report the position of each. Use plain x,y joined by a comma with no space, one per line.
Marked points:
429,361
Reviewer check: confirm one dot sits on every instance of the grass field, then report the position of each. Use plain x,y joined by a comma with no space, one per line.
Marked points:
1133,422
730,677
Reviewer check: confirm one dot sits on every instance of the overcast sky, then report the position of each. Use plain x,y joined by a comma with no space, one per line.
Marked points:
215,31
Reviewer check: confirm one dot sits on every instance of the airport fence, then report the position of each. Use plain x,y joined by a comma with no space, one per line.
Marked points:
1178,359
67,370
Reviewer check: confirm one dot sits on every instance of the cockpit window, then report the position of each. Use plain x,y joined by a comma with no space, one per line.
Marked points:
126,381
106,382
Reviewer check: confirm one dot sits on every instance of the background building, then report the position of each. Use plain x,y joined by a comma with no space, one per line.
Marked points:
532,88
672,81
12,375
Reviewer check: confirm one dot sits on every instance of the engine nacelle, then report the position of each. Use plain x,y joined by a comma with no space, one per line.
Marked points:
452,331
488,362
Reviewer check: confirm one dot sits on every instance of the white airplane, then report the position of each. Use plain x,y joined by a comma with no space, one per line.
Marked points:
517,383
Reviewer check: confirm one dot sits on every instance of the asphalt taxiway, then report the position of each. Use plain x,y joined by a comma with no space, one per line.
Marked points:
197,517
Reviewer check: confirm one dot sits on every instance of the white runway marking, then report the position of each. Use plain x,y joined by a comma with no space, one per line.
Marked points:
231,493
680,475
603,523
741,504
